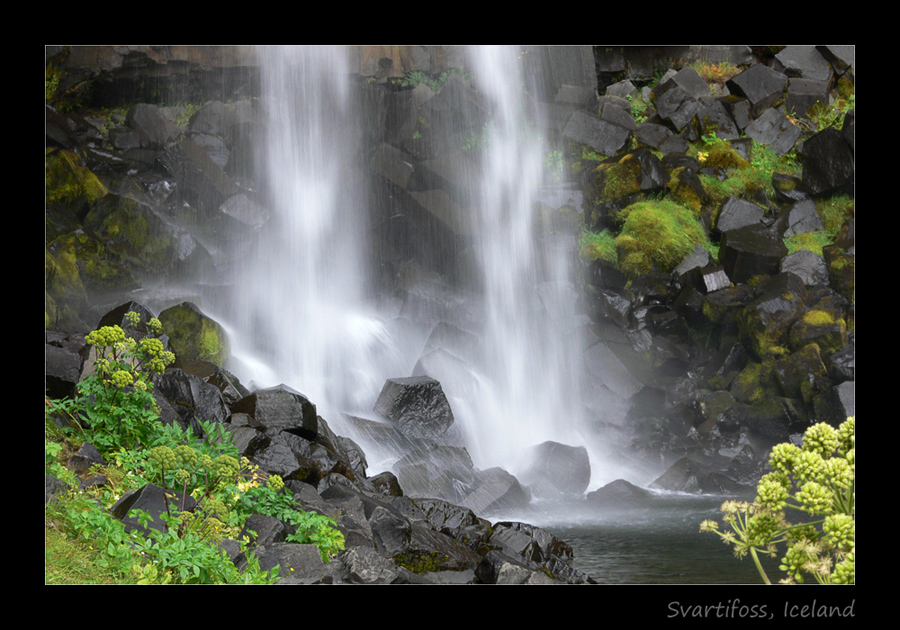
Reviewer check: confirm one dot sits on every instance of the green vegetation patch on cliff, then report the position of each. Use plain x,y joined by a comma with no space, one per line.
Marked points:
657,234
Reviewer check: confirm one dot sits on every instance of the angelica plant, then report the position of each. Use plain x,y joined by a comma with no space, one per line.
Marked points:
816,478
115,405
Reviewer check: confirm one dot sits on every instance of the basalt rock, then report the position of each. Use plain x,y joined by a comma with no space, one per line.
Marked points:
751,251
828,163
416,405
556,469
281,408
762,86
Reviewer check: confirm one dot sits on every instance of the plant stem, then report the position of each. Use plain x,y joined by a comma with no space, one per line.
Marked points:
759,567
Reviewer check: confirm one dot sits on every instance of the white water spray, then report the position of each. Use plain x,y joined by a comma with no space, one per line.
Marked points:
531,387
302,299
301,296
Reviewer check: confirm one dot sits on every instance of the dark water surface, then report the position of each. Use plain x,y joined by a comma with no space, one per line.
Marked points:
659,546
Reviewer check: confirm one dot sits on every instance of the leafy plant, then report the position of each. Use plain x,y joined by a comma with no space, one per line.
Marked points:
817,478
639,109
115,405
311,528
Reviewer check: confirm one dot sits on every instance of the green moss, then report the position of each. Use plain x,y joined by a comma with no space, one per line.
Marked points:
615,180
659,234
812,241
598,245
835,211
67,181
194,336
756,382
419,562
817,317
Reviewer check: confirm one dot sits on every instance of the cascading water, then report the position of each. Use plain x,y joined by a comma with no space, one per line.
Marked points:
302,308
300,300
530,375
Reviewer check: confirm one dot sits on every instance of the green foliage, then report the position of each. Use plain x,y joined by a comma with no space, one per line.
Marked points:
115,405
311,528
657,234
555,164
640,110
817,478
476,141
414,78
598,245
115,411
813,241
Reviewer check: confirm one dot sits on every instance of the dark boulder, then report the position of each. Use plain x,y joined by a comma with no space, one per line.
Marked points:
281,408
555,469
156,501
64,358
762,86
766,322
751,251
416,405
828,163
602,136
677,107
774,130
687,475
192,398
621,495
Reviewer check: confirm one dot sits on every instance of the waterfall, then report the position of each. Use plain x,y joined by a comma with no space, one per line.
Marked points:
530,369
302,303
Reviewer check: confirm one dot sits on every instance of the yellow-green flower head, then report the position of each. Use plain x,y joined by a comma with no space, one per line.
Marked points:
276,483
226,466
783,457
205,461
821,438
845,570
815,498
122,378
187,457
163,456
839,471
152,346
797,557
841,528
761,527
106,336
809,466
771,492
847,435
133,318
154,325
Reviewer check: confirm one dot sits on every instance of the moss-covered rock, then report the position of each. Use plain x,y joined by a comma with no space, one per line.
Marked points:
841,270
825,329
194,336
134,233
799,371
657,234
82,254
68,181
756,382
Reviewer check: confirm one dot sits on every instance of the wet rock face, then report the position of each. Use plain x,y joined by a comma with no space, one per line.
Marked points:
417,405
